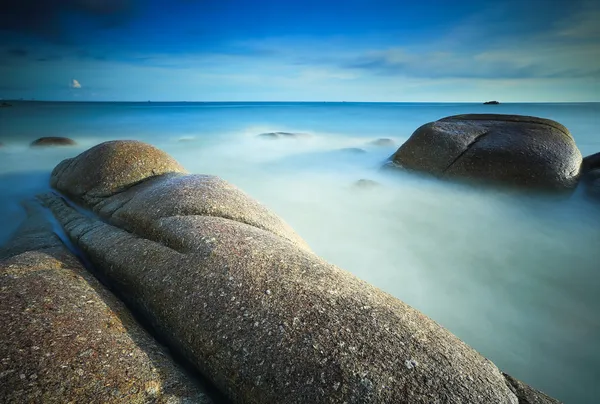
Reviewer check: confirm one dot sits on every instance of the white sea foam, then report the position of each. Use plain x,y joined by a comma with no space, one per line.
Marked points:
516,277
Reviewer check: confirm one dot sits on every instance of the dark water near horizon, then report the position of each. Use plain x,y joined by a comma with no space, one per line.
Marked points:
516,277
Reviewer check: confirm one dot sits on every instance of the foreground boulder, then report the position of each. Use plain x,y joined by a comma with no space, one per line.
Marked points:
53,141
238,293
513,150
65,338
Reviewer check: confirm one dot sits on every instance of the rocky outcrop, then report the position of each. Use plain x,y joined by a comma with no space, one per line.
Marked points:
513,150
65,338
491,103
53,141
238,293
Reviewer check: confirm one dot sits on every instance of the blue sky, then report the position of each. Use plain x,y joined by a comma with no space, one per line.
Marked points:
287,50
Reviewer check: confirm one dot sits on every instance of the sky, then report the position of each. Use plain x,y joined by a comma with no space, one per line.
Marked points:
309,50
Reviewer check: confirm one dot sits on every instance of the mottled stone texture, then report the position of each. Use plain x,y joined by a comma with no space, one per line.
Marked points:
518,151
254,309
65,339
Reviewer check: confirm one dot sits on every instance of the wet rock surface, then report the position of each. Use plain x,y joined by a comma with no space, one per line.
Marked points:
252,307
53,141
65,338
512,150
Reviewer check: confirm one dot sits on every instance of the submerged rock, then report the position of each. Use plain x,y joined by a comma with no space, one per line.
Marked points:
53,141
513,150
283,135
65,338
383,142
353,150
238,293
364,183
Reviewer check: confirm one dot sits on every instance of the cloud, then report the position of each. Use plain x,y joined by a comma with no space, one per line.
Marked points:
75,84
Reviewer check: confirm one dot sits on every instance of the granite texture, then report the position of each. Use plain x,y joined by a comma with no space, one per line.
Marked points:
65,338
513,150
253,308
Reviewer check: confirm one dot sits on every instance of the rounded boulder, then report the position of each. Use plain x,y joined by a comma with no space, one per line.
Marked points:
109,168
513,150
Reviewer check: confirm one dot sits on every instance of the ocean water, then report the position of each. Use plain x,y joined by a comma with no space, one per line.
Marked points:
516,277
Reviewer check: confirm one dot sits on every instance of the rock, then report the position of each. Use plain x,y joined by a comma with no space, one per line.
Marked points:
65,338
353,150
591,183
283,135
491,103
252,307
590,162
512,150
364,183
53,141
102,171
5,104
526,394
383,142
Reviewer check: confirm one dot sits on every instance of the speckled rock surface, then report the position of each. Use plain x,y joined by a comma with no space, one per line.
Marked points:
188,195
109,168
65,338
263,317
513,150
526,394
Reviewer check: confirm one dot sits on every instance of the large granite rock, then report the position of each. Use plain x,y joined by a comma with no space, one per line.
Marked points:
513,150
240,295
65,338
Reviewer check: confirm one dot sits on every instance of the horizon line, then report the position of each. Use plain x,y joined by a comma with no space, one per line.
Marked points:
305,102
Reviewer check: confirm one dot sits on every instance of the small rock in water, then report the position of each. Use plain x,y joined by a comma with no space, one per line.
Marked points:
53,141
364,183
353,150
282,135
384,142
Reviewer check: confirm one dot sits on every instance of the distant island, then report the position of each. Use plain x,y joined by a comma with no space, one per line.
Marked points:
491,103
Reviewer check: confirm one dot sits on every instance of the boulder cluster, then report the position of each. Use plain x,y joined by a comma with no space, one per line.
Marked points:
230,288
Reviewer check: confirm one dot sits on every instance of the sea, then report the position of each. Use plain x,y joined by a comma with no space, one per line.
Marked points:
516,276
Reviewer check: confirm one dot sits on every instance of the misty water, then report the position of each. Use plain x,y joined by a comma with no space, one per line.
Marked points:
514,276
